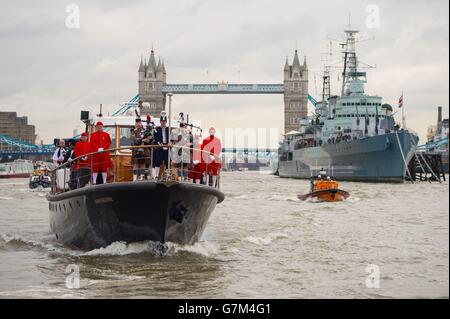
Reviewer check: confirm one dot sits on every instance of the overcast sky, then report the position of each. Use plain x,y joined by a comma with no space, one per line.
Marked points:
50,72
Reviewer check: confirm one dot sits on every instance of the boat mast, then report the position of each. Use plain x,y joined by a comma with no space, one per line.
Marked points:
350,60
326,87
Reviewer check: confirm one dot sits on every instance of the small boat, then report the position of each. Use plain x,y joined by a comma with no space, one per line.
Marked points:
40,177
325,190
160,208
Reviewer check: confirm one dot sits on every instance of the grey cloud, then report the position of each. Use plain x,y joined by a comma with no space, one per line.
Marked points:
50,73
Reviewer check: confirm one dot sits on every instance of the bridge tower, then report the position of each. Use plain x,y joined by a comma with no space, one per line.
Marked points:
295,93
152,77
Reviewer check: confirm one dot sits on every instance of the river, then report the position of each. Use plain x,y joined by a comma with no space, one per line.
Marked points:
385,241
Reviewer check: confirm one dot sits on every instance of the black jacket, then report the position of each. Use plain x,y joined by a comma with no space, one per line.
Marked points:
159,136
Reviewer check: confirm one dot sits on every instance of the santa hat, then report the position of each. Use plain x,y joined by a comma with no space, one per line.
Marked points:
99,123
84,134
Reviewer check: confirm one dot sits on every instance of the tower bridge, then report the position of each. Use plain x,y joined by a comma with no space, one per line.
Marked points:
153,88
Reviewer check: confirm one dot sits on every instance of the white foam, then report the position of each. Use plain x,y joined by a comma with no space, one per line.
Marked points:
352,199
120,248
282,198
5,198
264,241
204,248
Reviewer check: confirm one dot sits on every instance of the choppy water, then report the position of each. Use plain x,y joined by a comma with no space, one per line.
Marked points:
260,242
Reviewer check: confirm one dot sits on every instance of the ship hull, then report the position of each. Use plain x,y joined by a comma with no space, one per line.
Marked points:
96,216
327,195
18,175
372,159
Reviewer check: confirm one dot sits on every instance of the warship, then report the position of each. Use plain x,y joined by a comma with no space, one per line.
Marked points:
353,136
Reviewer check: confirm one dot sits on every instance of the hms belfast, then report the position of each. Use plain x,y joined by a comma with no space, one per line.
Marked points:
352,136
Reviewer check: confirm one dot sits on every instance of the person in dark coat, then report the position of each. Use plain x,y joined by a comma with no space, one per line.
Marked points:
140,156
162,137
68,158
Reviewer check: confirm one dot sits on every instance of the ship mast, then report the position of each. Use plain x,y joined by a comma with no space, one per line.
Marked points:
326,86
350,59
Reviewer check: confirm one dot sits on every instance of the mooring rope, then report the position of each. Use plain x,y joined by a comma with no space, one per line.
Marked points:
403,156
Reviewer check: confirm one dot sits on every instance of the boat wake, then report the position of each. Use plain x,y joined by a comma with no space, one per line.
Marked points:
119,248
352,199
281,198
14,241
265,241
204,248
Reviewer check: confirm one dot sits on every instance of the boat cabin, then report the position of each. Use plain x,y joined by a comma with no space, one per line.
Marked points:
119,128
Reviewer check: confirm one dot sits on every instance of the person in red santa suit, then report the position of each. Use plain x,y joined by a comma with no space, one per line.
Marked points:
83,147
196,172
211,149
100,141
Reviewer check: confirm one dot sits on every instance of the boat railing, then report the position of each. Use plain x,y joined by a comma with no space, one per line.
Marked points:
192,164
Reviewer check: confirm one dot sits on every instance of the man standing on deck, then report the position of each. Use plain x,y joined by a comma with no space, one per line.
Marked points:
83,147
211,147
70,156
162,137
181,156
139,156
100,141
60,153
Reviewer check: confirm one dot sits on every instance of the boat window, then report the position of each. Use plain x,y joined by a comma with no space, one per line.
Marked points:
125,136
112,132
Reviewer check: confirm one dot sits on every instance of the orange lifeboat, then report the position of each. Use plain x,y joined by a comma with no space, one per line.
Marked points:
326,191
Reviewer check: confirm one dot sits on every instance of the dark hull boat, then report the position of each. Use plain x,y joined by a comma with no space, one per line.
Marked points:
166,211
39,180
